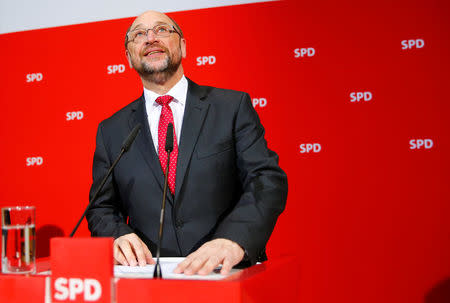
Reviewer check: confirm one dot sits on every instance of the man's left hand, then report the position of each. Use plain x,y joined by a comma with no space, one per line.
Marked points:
209,256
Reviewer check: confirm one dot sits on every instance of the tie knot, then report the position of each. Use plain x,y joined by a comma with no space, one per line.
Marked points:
164,100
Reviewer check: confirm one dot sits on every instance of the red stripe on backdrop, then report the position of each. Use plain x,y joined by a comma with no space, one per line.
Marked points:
368,204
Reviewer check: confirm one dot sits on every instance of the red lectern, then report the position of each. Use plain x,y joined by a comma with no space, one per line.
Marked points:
82,271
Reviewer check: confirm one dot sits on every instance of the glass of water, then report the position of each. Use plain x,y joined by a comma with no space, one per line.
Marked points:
18,240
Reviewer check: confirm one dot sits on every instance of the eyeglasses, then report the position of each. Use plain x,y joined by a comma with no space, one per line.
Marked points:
160,31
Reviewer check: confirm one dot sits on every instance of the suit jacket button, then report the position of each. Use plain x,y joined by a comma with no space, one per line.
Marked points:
179,224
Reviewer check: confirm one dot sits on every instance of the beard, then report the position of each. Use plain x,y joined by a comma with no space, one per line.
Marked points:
159,74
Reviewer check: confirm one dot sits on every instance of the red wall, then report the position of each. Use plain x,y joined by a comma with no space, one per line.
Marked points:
367,215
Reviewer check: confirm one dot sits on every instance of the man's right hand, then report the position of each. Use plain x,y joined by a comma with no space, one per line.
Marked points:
130,250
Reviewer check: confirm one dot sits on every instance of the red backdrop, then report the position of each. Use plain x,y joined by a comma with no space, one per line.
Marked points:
368,209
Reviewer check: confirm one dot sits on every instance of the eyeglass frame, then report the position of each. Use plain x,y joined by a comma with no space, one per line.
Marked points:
174,30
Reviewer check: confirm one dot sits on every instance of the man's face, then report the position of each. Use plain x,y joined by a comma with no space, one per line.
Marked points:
157,58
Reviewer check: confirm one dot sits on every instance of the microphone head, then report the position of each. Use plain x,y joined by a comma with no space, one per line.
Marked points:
169,138
130,139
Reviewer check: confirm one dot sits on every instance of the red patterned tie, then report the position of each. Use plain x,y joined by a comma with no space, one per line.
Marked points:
164,120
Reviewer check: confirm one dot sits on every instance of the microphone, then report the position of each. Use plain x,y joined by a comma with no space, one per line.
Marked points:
157,274
125,147
169,138
130,139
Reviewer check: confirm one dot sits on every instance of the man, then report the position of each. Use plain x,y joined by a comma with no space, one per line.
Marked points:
226,188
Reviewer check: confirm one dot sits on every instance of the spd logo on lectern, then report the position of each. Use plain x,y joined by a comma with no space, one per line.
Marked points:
71,288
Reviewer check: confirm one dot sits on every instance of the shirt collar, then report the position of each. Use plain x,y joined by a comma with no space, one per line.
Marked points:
178,92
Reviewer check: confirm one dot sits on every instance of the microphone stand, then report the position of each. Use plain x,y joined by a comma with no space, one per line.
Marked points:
157,274
97,192
125,147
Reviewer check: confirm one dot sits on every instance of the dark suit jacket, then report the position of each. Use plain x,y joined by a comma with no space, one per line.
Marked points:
228,183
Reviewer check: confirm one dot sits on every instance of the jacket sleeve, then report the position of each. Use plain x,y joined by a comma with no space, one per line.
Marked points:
105,217
264,186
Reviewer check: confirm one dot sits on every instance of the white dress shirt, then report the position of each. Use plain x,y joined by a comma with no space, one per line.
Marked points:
179,94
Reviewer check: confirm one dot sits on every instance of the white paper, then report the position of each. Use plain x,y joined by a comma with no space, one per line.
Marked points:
167,267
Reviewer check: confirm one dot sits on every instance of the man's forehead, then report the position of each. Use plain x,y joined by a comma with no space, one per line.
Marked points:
151,18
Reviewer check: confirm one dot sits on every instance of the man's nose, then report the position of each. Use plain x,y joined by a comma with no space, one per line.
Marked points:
151,36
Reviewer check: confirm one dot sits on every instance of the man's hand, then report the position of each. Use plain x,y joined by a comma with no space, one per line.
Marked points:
130,250
209,256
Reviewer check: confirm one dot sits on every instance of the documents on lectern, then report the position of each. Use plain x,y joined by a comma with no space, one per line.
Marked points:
167,267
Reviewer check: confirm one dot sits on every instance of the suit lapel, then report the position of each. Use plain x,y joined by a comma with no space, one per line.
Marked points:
144,143
194,116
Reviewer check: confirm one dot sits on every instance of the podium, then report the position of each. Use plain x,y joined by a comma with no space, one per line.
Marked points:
81,270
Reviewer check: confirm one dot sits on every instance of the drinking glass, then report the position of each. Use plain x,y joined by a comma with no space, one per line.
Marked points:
18,240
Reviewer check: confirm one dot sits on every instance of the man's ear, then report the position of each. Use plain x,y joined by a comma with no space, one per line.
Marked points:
183,47
127,54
